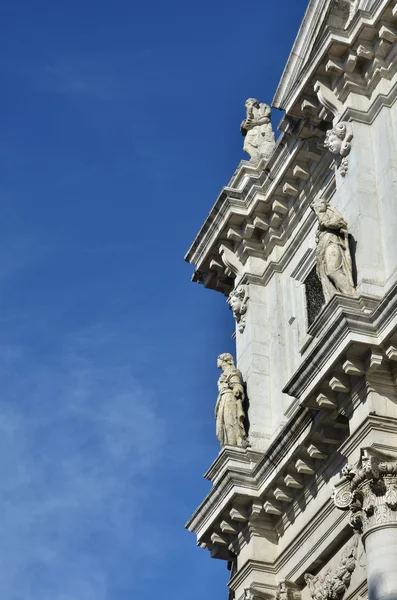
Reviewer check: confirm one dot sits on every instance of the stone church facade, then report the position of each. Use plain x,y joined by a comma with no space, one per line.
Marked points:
303,242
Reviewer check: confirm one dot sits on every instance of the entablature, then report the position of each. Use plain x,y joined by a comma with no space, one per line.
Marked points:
264,500
248,221
345,57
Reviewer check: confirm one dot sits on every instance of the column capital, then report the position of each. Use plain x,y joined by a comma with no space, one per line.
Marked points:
369,491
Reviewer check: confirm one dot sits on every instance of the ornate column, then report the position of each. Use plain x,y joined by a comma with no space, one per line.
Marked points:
369,491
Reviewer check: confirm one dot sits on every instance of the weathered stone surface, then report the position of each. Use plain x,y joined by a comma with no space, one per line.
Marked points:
257,130
334,263
229,413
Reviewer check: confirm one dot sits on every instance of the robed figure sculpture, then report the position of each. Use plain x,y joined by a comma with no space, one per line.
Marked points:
257,130
229,411
334,263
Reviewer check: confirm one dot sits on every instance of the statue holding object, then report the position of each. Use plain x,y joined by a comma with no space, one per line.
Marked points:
257,129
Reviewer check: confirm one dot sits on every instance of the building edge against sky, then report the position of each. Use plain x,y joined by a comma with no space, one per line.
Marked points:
303,241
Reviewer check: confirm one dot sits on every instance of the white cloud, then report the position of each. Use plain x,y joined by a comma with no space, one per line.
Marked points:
79,441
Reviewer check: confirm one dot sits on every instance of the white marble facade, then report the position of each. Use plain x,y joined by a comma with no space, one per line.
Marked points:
318,362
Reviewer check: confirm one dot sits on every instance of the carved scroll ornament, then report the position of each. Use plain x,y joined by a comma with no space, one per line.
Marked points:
369,491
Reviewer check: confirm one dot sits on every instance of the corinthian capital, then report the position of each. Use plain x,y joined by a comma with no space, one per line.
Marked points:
369,490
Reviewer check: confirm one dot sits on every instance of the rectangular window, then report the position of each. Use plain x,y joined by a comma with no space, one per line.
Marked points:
314,296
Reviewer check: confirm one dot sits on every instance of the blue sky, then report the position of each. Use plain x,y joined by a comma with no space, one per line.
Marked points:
119,126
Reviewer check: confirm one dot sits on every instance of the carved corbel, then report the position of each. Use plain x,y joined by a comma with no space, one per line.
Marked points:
338,139
329,100
238,302
234,267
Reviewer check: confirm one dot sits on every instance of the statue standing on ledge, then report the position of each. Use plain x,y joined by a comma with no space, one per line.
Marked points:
334,264
229,413
257,130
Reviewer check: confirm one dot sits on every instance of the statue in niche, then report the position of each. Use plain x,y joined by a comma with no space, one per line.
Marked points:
334,264
238,302
257,130
229,413
338,141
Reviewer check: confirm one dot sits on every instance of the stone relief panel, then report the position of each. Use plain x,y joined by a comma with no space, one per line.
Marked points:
229,412
257,130
332,584
369,490
334,264
238,302
338,141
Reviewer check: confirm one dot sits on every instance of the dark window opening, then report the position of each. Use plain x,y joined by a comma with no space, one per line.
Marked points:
314,296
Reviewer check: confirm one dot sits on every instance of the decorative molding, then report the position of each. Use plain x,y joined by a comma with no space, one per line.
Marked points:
369,491
238,302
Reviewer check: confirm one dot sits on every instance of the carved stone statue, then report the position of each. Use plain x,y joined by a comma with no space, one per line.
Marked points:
229,413
338,141
257,130
238,301
334,264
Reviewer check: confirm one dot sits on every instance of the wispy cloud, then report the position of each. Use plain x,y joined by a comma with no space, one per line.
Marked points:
79,439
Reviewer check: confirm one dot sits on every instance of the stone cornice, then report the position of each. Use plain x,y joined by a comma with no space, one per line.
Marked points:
286,461
227,484
313,43
364,321
301,48
250,221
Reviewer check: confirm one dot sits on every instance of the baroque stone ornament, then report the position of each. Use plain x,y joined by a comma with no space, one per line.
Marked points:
369,491
252,594
229,413
257,129
338,141
332,584
287,590
238,302
334,264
